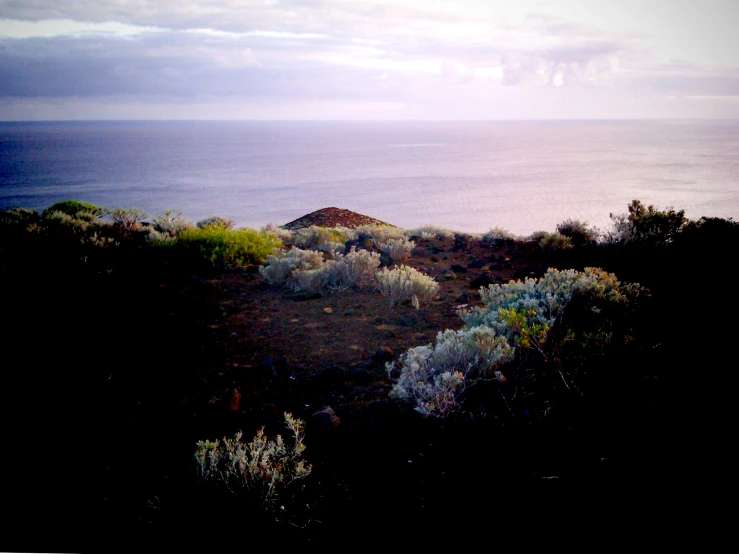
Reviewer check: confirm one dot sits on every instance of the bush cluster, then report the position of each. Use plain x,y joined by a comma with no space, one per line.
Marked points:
517,319
646,225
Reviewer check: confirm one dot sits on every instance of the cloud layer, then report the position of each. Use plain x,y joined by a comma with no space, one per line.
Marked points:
341,59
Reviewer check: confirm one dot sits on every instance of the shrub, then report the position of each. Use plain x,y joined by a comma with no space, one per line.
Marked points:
430,232
404,283
170,225
498,233
79,223
646,225
433,377
578,232
285,235
337,275
262,467
74,207
314,236
215,221
224,247
19,218
334,249
127,219
356,267
378,233
279,267
551,242
398,249
517,319
543,300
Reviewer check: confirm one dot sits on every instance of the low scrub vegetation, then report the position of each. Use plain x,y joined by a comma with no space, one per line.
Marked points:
224,247
406,284
263,467
522,324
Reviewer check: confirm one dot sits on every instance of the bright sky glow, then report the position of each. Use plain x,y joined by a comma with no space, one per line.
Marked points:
368,59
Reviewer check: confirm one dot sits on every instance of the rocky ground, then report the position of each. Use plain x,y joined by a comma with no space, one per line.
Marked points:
111,380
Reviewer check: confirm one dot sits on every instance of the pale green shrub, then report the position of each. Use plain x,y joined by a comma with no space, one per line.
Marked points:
430,232
379,233
315,281
433,377
339,274
544,300
171,225
66,220
217,221
516,316
314,236
278,268
398,249
263,467
20,218
99,240
285,235
404,283
334,249
498,233
357,267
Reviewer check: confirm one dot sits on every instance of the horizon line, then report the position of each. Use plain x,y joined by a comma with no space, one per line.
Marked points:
526,120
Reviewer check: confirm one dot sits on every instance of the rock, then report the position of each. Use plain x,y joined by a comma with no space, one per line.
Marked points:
328,310
326,418
332,373
410,319
383,354
457,268
476,264
483,280
266,368
361,375
233,405
464,297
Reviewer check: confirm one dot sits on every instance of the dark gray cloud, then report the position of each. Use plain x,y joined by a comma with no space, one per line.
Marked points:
168,64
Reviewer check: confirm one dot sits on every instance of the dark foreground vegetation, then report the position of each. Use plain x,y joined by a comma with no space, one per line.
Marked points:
131,345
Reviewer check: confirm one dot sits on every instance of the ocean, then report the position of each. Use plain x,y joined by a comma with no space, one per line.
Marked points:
522,176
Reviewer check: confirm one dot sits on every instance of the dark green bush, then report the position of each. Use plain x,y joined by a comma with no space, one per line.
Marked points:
646,225
578,231
74,207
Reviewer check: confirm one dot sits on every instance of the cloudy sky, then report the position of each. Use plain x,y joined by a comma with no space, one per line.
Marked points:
368,59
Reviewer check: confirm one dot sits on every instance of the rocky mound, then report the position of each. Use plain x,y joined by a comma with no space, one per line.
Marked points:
333,217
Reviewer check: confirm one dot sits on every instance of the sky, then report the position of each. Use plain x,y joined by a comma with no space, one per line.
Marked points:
368,59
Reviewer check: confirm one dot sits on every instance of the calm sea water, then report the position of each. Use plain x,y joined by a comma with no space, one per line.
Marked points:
467,176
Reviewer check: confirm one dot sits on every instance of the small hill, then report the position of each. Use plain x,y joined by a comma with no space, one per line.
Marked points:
333,217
